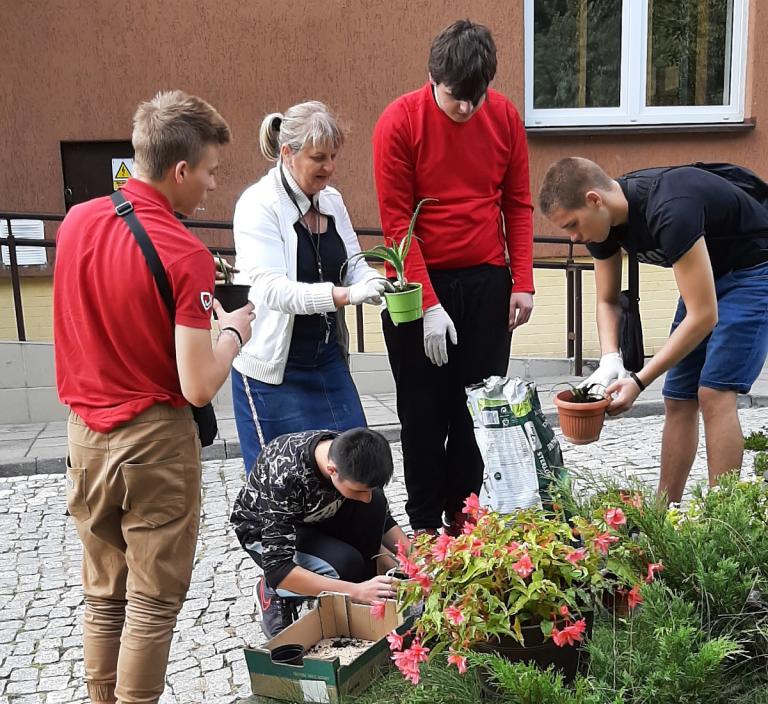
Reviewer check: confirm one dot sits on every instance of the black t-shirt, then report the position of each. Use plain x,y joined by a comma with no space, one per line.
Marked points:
670,211
333,254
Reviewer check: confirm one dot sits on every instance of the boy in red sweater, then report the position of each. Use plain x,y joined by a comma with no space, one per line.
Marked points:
458,141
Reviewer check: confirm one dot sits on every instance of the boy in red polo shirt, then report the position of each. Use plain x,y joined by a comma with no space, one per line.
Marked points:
129,374
458,141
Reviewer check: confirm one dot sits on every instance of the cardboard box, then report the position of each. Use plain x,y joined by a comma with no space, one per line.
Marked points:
325,681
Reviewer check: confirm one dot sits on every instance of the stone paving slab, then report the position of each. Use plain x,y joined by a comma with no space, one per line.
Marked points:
41,602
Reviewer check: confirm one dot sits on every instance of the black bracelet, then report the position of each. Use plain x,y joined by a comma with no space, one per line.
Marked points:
239,336
636,379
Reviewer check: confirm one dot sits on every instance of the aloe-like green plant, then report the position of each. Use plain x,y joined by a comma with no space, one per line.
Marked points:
224,268
397,253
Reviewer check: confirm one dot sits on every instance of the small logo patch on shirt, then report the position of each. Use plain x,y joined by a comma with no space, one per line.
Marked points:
206,298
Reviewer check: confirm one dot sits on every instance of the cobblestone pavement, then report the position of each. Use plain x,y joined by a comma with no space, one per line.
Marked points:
41,598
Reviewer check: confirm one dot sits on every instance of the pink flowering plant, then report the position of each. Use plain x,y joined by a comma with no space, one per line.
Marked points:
502,573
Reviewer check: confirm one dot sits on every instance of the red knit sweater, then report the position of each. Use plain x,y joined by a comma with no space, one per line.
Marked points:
478,170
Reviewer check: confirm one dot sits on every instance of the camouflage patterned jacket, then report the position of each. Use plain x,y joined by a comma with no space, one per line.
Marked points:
284,489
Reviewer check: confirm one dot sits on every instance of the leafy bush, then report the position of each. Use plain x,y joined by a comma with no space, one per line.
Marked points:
756,441
521,683
661,654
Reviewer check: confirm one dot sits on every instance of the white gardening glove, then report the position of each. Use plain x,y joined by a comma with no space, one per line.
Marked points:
610,369
367,292
437,325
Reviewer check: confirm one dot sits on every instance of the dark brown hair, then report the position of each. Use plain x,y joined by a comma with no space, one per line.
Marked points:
463,58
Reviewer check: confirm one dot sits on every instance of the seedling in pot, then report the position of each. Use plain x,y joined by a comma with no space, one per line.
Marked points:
396,254
404,299
584,394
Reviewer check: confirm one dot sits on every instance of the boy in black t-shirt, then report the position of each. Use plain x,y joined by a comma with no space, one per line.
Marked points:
714,236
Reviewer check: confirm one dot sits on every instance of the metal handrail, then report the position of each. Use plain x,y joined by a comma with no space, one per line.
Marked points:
573,272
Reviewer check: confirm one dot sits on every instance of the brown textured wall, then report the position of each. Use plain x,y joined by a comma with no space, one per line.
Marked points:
76,69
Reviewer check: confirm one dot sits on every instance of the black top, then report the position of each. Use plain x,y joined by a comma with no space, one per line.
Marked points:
285,489
333,254
669,210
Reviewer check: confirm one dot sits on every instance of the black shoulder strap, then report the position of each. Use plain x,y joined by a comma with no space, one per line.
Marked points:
124,208
633,276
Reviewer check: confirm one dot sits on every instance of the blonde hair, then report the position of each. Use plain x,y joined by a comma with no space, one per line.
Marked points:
306,123
567,182
174,127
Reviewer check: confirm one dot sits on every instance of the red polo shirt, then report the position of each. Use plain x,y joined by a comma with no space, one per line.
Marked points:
113,340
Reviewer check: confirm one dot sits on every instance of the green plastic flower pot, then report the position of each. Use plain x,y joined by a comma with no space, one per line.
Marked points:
405,306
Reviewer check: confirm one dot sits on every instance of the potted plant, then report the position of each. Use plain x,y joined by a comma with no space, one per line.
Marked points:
231,295
522,585
582,413
404,300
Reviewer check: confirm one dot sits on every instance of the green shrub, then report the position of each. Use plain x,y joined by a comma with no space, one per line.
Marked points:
756,441
439,684
521,683
661,654
761,463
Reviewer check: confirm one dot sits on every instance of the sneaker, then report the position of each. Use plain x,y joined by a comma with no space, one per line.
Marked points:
277,612
455,524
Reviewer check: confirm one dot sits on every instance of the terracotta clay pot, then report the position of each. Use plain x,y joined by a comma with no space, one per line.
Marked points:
580,423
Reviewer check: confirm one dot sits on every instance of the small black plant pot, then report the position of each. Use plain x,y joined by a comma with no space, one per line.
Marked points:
543,653
232,296
289,654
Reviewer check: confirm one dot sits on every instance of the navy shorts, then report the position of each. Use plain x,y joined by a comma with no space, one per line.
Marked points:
732,356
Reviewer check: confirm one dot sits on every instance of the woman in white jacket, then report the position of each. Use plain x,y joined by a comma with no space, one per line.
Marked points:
293,236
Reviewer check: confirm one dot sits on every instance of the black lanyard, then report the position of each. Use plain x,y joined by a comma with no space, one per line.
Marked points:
315,245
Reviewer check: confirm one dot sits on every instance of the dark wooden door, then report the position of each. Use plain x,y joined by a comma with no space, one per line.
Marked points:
88,168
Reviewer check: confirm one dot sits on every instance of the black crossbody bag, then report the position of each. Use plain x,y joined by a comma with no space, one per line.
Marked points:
205,417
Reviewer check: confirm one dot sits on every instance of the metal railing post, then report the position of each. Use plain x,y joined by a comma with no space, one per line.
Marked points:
15,283
360,328
578,328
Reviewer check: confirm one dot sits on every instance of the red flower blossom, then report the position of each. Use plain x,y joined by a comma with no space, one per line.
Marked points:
454,615
468,528
653,569
424,581
615,517
523,566
441,547
378,608
570,635
513,547
604,541
564,610
395,641
407,661
576,555
459,660
634,597
473,508
477,547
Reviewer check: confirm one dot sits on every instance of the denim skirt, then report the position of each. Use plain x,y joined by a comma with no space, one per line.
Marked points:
317,393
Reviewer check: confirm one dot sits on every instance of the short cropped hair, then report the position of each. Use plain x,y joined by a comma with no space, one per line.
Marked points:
567,182
310,123
463,58
174,127
362,455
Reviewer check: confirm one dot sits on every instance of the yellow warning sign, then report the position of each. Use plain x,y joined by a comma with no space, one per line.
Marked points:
122,172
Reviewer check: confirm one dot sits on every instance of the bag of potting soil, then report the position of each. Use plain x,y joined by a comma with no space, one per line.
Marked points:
519,448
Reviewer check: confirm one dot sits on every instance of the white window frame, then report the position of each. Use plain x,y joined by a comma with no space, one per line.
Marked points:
634,54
